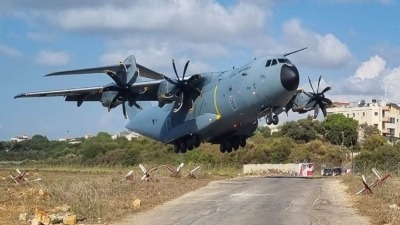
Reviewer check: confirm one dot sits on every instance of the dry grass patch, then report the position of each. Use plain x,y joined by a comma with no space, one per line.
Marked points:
96,196
377,205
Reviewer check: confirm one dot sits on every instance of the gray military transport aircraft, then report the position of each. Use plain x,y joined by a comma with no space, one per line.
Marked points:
216,107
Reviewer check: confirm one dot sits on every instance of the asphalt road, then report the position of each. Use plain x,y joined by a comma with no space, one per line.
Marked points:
257,201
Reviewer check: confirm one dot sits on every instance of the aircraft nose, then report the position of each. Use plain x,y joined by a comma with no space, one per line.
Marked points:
289,77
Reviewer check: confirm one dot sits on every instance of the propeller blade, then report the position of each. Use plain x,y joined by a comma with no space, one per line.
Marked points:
124,110
180,102
173,65
113,101
184,70
114,76
311,84
129,68
169,80
319,81
193,78
123,72
327,101
191,105
324,110
137,105
133,79
316,111
111,88
288,106
325,90
199,92
310,104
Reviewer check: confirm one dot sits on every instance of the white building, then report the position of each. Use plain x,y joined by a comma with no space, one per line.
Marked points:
19,138
128,135
381,114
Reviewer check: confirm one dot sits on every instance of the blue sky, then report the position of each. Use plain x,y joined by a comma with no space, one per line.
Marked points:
354,45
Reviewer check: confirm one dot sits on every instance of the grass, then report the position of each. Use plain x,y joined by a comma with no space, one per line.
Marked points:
376,205
98,195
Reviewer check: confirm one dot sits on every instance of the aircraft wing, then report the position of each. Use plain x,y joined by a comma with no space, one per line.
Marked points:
95,93
144,71
92,91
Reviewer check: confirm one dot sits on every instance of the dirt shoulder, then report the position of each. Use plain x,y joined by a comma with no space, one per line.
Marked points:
89,195
383,206
334,196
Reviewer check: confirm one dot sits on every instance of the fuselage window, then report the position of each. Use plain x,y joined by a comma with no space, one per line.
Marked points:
274,62
268,63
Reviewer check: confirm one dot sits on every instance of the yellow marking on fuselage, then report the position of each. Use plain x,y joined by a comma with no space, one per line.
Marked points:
215,103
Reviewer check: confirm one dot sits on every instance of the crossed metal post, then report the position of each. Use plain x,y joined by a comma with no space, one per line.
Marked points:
367,188
192,173
20,177
147,173
175,171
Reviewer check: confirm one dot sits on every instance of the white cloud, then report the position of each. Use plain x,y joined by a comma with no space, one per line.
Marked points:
369,69
372,79
391,84
323,50
197,20
48,57
9,51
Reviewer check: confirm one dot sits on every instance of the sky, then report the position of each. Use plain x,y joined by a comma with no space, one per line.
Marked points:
353,44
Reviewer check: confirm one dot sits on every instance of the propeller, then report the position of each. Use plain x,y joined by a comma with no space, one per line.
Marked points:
122,86
318,100
183,90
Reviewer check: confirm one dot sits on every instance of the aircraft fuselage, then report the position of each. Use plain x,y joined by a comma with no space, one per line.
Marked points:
229,107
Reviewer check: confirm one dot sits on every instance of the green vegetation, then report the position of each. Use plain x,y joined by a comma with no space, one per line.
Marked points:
302,141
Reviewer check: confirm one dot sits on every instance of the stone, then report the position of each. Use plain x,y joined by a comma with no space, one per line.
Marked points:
64,208
136,204
34,221
70,220
23,216
42,216
394,206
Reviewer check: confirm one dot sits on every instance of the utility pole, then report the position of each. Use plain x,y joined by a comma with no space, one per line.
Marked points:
343,148
342,139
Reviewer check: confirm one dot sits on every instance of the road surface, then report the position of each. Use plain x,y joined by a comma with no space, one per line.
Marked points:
257,201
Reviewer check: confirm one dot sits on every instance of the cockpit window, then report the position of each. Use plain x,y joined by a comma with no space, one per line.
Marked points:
274,62
268,63
284,61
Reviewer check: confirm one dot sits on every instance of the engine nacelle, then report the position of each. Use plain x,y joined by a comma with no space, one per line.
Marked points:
163,93
107,97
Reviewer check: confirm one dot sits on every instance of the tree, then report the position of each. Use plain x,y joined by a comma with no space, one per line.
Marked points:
103,136
340,129
280,149
373,142
39,138
369,130
302,130
90,150
265,131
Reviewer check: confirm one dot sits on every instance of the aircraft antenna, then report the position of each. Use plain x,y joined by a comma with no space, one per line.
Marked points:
286,54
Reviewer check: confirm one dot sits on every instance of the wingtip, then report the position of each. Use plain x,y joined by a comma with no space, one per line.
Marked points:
19,96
